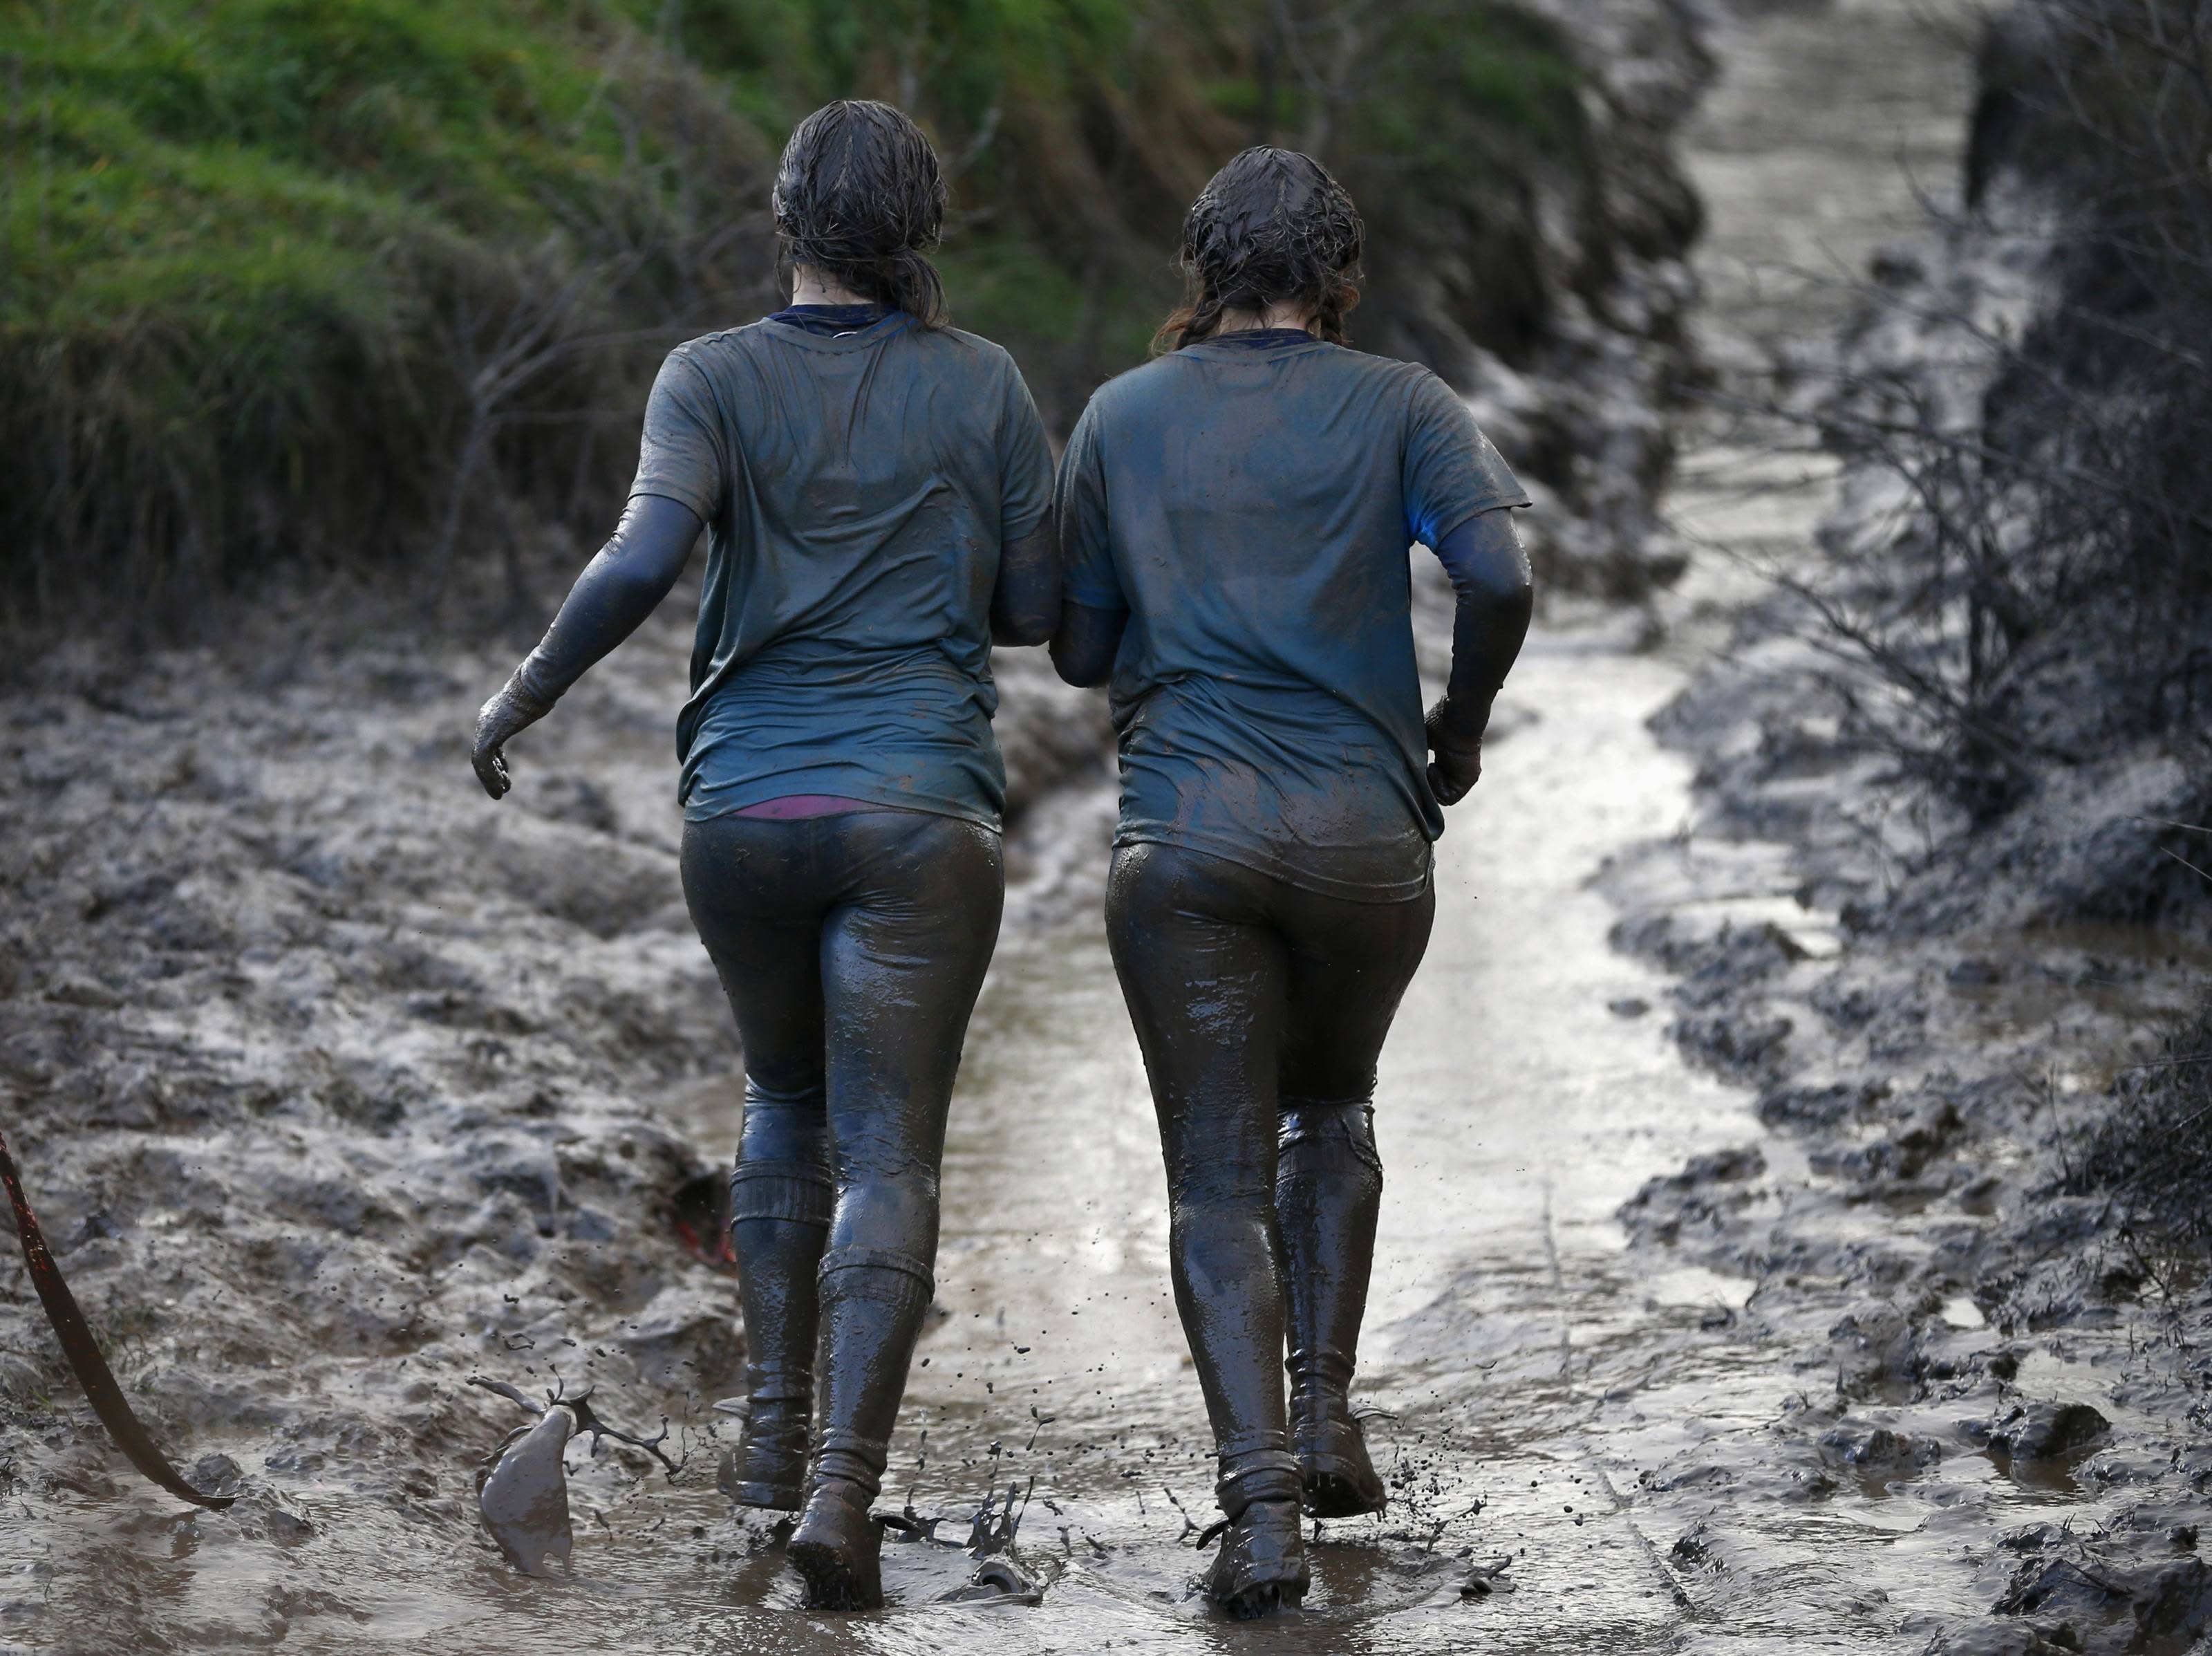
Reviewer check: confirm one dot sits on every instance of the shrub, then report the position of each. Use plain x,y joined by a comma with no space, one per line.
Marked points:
281,279
2153,1148
2045,601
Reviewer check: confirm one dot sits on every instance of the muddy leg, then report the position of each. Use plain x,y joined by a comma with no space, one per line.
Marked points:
901,963
1349,964
779,1205
873,1301
1328,1195
751,888
1204,975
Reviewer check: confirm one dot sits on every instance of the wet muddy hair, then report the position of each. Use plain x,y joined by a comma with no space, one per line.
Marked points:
859,196
1273,225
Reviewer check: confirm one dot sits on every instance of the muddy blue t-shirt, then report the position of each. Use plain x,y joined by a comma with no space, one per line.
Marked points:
1250,505
857,488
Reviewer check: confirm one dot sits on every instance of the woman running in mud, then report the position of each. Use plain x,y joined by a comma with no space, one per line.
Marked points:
1234,523
876,489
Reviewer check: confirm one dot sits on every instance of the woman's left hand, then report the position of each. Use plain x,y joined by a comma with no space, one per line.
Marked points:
1457,765
512,711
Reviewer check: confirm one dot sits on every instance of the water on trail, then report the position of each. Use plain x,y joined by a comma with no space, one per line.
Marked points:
1525,1360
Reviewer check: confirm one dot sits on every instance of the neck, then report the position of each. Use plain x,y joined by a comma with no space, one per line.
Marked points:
1283,314
810,287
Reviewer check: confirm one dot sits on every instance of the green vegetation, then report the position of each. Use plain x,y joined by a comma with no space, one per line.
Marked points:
341,284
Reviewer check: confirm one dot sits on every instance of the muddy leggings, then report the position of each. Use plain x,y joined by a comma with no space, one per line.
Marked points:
1261,1007
851,949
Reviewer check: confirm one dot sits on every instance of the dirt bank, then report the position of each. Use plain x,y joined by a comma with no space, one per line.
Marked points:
1980,1426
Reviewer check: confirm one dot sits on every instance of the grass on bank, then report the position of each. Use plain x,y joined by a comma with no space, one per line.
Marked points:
322,285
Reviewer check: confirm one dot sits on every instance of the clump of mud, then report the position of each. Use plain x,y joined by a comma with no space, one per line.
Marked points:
1983,1295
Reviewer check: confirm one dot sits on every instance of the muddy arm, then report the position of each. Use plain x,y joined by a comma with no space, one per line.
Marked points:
1494,597
618,588
1083,649
1026,601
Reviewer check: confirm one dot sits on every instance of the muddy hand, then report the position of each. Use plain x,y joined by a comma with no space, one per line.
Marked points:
1457,765
513,710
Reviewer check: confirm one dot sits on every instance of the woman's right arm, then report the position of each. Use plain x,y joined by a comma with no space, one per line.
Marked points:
1459,499
618,588
1094,611
1493,601
678,486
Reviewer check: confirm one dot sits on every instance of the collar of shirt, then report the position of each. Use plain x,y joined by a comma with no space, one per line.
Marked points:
1259,337
831,320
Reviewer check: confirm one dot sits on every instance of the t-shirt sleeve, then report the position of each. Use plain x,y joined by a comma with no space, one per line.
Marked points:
1086,550
680,456
1024,462
1451,473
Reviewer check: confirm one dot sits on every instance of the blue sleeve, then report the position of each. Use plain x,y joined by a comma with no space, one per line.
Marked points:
1024,460
618,588
1086,551
1450,471
680,454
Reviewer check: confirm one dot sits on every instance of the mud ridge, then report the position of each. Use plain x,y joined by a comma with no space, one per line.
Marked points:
1987,1375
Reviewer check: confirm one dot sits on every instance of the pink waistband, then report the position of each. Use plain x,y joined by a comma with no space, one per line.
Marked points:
792,806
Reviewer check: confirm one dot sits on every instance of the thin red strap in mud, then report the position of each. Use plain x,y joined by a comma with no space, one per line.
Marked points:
84,1351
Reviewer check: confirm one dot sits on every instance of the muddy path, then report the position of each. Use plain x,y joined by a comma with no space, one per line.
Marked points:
296,1009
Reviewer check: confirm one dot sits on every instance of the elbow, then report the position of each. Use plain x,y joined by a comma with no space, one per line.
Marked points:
1513,590
1496,596
1085,669
1500,574
635,586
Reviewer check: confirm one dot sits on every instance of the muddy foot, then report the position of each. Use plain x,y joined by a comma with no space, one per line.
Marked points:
837,1550
1338,1479
768,1470
1262,1569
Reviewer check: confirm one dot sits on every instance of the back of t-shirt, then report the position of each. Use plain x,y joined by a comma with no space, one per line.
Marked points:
1251,507
857,490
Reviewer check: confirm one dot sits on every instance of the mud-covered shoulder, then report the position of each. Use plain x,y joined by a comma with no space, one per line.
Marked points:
966,358
705,347
1133,385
